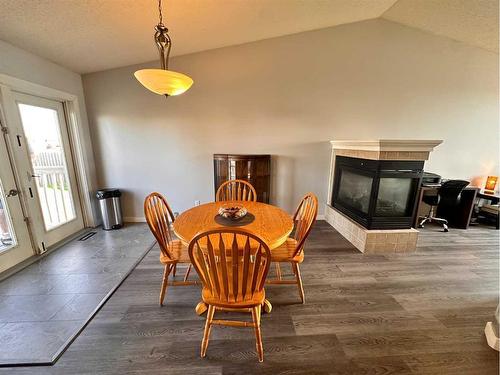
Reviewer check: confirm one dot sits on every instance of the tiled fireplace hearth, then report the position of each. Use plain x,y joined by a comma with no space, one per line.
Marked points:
373,189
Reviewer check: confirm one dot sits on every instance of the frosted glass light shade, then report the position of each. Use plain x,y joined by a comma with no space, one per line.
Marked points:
163,82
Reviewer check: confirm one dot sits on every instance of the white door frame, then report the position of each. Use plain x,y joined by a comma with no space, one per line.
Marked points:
15,211
83,169
45,236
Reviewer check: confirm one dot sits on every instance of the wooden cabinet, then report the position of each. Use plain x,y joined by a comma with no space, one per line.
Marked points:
255,169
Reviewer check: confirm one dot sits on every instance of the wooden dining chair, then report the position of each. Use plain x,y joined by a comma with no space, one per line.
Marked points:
172,220
232,265
236,190
158,215
292,251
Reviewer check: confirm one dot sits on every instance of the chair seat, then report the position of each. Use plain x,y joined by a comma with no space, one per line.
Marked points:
284,253
257,299
179,253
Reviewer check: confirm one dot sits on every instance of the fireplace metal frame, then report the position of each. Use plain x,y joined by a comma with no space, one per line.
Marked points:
377,169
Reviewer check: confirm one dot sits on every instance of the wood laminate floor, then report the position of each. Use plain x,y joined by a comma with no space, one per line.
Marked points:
422,313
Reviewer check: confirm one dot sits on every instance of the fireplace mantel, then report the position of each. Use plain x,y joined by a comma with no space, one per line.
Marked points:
376,240
387,145
386,149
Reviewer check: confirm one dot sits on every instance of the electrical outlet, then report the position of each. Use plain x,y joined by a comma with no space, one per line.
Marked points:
196,203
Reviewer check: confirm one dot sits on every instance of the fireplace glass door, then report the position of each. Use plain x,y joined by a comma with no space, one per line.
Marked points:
355,190
394,197
378,194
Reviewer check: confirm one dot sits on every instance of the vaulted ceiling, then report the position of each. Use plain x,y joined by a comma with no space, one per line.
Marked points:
93,35
470,21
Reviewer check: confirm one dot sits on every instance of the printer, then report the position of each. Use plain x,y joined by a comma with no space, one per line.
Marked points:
430,179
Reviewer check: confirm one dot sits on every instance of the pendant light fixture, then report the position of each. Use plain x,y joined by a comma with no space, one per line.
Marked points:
163,81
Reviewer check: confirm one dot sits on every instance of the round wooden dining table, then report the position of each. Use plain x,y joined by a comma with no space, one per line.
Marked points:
270,223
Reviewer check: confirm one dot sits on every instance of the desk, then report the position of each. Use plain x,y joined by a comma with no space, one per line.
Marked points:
458,216
493,198
488,211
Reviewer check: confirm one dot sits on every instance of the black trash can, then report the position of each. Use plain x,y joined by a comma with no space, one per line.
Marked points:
111,209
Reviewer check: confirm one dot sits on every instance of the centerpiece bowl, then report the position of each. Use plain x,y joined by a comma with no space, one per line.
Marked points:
232,211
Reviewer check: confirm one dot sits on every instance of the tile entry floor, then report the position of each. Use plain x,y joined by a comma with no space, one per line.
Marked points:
45,304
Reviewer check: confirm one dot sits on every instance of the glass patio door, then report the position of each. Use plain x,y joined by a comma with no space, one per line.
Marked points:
15,241
45,166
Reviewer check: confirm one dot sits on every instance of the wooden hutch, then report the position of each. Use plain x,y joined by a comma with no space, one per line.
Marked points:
255,169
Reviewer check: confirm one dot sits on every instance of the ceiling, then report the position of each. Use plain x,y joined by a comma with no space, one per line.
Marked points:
93,35
471,21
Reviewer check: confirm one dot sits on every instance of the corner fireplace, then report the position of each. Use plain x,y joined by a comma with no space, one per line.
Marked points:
378,194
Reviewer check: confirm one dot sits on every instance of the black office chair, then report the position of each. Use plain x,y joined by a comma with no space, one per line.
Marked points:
449,195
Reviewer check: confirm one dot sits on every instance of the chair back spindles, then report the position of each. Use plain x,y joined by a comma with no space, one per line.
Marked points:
304,218
158,215
236,190
231,263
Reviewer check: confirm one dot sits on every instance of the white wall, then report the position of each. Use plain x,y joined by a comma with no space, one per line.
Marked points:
289,96
21,64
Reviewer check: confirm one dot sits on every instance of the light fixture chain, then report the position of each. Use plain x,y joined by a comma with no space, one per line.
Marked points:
162,81
160,11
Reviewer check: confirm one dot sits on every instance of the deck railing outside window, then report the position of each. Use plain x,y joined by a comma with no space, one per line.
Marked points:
53,187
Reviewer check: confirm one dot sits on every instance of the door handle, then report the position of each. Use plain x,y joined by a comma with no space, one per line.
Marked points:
12,193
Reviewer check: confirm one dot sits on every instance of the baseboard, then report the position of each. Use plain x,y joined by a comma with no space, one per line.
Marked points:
134,219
